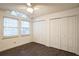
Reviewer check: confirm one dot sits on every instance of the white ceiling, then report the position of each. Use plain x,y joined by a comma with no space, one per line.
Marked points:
43,8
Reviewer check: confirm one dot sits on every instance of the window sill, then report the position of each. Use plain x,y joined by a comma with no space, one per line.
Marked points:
9,37
25,35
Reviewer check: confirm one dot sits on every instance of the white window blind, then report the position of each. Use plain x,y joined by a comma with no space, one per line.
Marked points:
10,27
25,28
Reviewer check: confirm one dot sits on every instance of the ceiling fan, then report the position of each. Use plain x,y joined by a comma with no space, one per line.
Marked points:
30,8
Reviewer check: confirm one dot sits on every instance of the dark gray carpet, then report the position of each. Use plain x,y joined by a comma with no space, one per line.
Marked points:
35,49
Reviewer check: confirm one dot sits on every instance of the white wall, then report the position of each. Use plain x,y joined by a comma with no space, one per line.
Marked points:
11,42
59,30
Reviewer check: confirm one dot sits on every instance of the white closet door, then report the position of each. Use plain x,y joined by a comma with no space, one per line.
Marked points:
64,33
41,32
55,33
72,34
36,34
77,35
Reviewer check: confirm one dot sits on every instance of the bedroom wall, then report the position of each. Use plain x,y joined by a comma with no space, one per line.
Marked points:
11,42
59,30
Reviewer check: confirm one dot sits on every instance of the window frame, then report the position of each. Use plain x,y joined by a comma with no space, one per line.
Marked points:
18,28
7,37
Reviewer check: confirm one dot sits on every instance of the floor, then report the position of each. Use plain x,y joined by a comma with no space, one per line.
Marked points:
35,49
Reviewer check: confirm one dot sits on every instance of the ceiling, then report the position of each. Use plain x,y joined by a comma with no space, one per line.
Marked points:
39,8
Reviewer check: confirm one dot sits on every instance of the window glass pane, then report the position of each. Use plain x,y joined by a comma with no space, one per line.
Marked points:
8,22
25,24
13,13
25,16
19,14
10,31
25,31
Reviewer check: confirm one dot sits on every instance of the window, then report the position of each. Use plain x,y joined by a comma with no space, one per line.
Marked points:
18,14
15,26
25,30
10,27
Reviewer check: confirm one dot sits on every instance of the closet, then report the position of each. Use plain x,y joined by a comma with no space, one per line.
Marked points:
63,33
41,32
58,32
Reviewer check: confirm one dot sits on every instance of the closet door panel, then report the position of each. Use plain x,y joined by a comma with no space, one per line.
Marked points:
69,34
77,35
72,34
55,33
64,34
35,32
